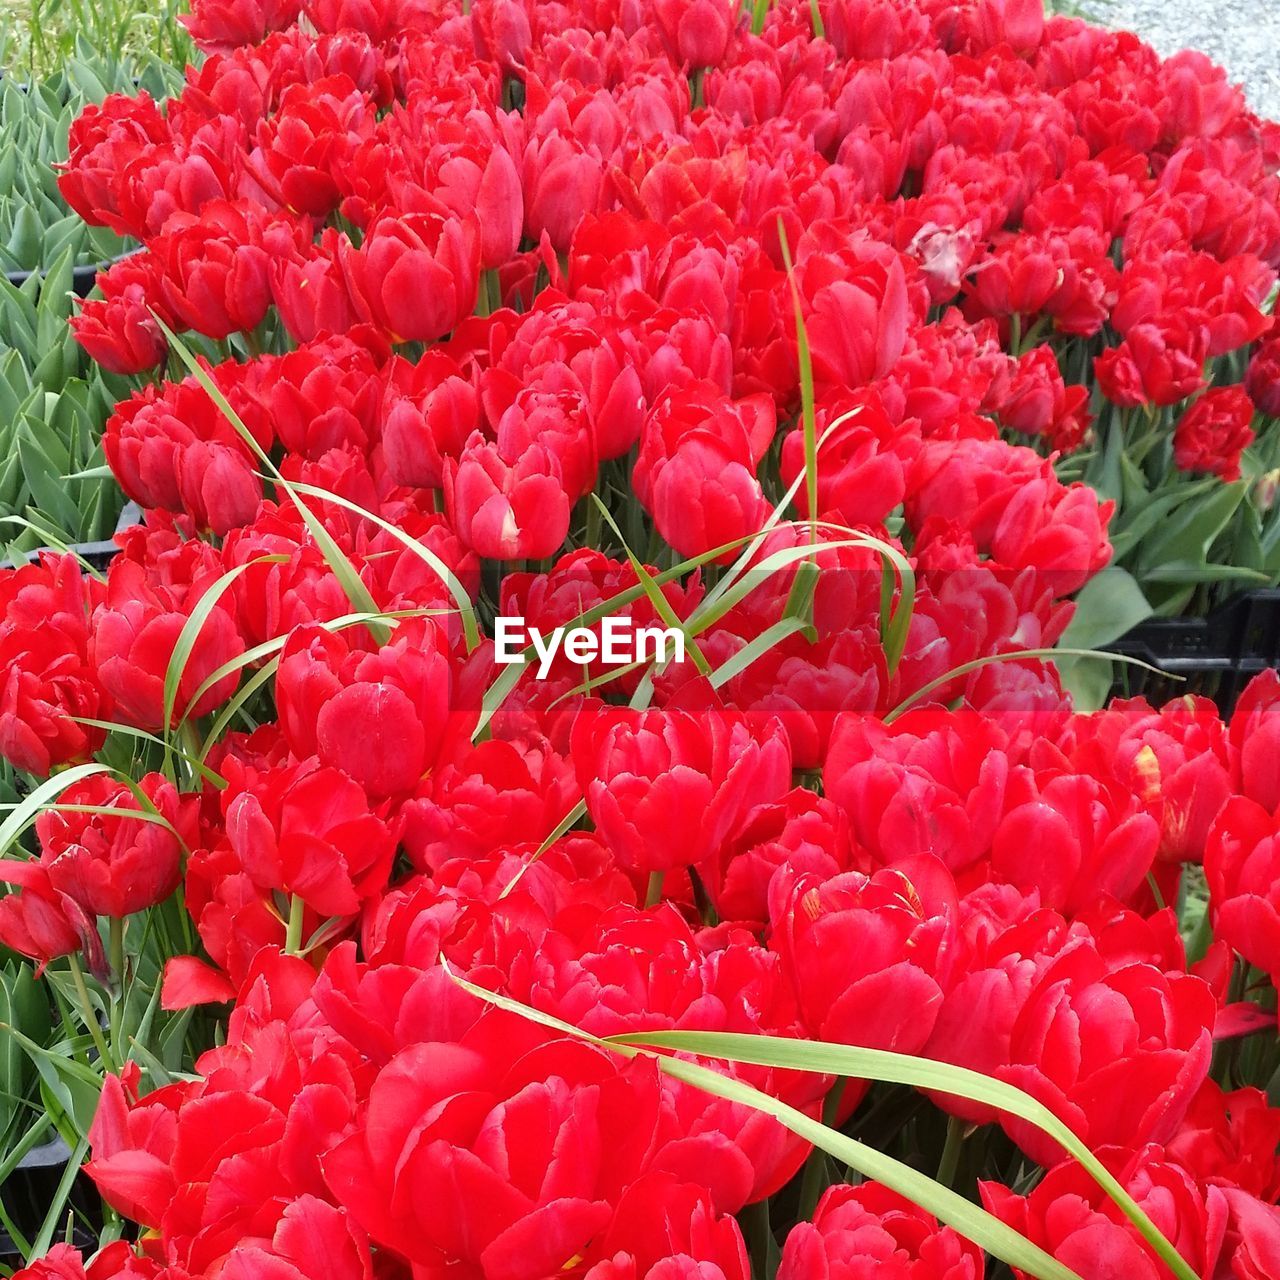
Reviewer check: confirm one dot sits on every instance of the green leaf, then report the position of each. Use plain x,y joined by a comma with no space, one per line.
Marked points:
985,1230
1016,655
43,476
659,603
1191,530
33,804
918,1073
808,419
335,557
466,609
1108,606
194,625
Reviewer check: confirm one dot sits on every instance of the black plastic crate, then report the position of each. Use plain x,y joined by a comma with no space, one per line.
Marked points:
82,278
30,1189
1215,656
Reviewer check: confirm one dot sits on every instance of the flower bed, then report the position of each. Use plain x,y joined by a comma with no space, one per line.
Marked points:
394,951
53,401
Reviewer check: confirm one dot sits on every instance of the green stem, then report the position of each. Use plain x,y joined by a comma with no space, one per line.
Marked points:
654,894
86,1010
761,1243
951,1152
115,953
695,87
1200,939
593,524
293,931
811,1184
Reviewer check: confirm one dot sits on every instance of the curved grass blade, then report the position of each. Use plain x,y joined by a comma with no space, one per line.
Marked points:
920,1073
26,812
1014,655
334,556
185,644
466,609
984,1229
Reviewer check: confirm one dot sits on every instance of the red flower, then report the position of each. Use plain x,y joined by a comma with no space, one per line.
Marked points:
935,782
667,788
311,291
430,410
1176,761
1230,1139
1115,1047
1242,865
135,630
865,955
400,696
38,921
1214,432
1159,364
312,1241
414,275
1075,1222
493,794
857,315
1074,840
506,1163
563,182
1262,378
115,1262
696,469
118,330
860,1231
308,831
225,24
1255,736
105,143
49,685
213,268
316,127
116,866
697,34
170,447
862,462
507,506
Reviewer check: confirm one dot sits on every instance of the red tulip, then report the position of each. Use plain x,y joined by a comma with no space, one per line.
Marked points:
1242,865
415,276
864,956
1255,736
213,268
697,34
507,507
401,696
1073,1221
135,631
49,685
1214,432
119,331
1262,378
116,866
39,921
865,1230
667,788
105,141
226,24
309,831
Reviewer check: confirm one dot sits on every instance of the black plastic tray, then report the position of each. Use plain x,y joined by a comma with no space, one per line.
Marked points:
1214,656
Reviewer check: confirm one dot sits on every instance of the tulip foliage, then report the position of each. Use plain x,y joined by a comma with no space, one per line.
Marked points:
831,939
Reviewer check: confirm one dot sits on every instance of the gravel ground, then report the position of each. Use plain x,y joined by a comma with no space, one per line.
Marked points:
1241,35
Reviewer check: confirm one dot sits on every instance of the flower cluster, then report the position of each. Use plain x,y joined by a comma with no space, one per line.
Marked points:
565,310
